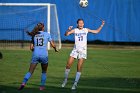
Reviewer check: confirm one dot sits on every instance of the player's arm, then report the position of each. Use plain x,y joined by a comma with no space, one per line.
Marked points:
97,30
53,45
32,44
69,31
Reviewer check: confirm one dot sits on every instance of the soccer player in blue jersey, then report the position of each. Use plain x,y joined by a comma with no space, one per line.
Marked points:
39,50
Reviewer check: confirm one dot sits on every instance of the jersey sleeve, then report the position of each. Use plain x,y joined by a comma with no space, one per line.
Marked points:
86,29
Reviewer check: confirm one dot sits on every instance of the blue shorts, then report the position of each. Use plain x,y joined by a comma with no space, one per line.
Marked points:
43,60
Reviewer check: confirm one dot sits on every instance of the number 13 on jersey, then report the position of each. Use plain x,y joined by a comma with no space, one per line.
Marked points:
39,41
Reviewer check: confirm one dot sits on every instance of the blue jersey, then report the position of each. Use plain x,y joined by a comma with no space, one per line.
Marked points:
40,42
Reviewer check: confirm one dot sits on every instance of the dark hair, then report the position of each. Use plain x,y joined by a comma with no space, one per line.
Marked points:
79,20
37,28
40,26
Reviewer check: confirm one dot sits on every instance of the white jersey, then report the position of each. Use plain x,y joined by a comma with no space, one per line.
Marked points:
80,47
80,38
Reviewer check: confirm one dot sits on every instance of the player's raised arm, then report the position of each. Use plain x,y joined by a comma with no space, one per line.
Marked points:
97,30
69,31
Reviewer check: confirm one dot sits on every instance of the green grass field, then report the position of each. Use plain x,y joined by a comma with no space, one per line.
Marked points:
105,71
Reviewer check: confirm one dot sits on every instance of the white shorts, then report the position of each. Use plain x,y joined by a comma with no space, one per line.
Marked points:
79,53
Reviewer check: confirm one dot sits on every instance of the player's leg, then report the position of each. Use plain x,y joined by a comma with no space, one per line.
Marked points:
78,74
67,70
44,66
28,75
30,72
43,75
69,62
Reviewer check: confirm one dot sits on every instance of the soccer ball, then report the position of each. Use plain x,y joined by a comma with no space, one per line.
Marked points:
83,3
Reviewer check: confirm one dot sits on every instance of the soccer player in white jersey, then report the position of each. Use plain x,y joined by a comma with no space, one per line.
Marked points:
80,49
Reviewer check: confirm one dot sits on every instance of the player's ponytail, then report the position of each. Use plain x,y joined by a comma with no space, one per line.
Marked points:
34,31
37,28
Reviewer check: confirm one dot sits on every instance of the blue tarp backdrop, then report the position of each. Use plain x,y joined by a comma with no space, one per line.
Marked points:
122,18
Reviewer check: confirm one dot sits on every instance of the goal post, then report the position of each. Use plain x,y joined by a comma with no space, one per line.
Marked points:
25,16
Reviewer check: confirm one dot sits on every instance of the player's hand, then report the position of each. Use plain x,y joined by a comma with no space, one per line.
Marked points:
103,22
32,49
56,50
70,28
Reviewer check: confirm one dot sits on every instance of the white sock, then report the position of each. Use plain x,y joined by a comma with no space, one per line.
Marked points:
66,73
78,74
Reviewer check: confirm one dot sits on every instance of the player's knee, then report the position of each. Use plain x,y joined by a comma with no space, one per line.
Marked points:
68,66
79,69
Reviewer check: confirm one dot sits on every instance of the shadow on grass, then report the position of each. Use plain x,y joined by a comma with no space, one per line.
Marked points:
49,89
86,85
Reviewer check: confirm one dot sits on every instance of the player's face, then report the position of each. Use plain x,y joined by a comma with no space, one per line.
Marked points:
80,24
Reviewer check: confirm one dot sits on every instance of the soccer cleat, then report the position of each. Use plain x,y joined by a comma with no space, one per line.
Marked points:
22,86
74,86
64,83
42,88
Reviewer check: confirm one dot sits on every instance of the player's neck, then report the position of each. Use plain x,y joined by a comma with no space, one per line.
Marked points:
41,31
80,28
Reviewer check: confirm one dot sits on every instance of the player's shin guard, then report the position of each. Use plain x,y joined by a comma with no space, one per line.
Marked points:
26,77
66,77
43,79
66,73
78,74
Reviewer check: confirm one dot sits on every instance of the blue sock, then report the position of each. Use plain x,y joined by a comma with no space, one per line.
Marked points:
26,77
43,79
